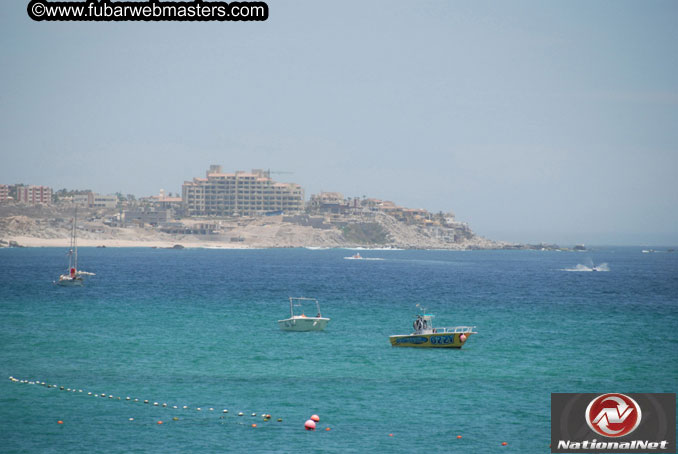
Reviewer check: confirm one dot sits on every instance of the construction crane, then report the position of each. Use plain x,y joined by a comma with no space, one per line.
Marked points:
269,172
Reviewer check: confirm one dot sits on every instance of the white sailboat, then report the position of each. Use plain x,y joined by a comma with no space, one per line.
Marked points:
73,277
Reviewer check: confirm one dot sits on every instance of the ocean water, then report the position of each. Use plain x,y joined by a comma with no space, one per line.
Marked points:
198,328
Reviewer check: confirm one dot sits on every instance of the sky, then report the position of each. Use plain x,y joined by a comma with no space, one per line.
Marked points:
532,121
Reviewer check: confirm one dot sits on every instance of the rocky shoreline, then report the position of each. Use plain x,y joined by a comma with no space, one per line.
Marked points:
50,227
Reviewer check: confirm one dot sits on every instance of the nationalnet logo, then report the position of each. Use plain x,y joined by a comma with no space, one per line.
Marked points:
613,422
613,415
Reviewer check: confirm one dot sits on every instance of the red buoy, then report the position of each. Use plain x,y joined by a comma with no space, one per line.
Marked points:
309,425
315,418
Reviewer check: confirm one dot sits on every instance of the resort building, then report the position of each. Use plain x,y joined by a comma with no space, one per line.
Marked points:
93,200
34,195
4,192
163,200
240,194
142,216
332,202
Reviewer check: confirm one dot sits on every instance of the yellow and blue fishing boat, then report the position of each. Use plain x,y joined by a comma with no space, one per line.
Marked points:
426,336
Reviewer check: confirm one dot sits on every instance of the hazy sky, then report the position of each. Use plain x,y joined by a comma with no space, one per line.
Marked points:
532,121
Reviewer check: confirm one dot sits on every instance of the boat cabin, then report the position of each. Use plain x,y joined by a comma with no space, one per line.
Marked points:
423,324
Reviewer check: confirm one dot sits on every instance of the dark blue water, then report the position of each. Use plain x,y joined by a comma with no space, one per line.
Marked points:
198,328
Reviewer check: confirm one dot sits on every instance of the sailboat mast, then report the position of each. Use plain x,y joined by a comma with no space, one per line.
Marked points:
75,244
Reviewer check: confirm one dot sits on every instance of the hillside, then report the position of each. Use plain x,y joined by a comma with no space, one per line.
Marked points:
50,226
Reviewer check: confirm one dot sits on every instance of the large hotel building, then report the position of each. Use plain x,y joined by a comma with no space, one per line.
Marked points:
240,193
34,194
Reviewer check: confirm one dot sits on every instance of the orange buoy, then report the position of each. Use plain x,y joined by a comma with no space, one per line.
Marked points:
503,443
254,425
60,422
458,436
159,422
315,418
390,435
309,425
327,429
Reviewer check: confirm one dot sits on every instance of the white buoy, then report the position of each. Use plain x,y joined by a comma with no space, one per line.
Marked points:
127,398
185,407
155,403
198,408
164,405
225,411
174,406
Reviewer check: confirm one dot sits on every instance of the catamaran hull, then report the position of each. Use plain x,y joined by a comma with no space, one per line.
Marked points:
436,340
303,324
68,282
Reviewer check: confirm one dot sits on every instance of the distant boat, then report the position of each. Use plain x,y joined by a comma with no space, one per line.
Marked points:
426,336
303,322
357,256
73,277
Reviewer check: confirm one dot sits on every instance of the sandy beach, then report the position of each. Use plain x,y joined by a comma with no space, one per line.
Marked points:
27,241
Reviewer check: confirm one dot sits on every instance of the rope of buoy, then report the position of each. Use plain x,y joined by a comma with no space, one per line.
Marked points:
266,416
310,424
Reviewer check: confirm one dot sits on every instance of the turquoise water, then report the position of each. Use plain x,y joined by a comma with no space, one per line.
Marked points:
198,328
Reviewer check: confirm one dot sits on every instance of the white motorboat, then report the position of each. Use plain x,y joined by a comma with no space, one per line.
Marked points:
303,322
